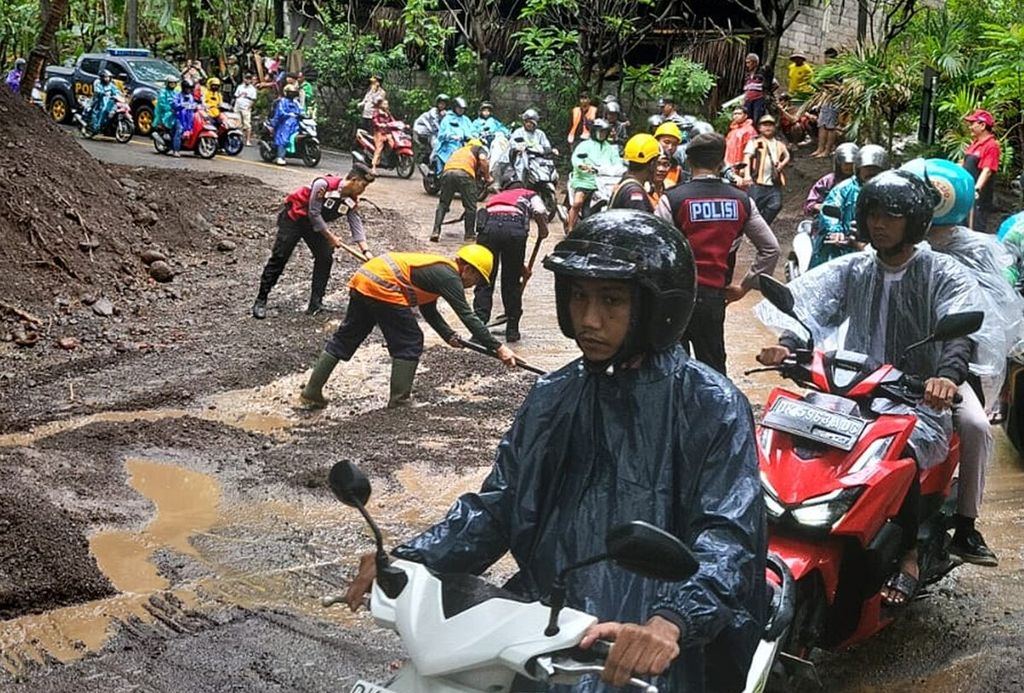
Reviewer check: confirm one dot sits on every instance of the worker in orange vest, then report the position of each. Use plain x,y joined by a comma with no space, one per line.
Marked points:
582,116
384,291
465,167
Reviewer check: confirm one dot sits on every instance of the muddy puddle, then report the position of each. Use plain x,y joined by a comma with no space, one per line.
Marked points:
254,555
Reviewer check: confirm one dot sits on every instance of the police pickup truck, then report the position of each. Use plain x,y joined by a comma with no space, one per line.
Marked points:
137,73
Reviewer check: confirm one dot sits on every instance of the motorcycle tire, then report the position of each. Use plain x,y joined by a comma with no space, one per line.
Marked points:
405,165
549,202
160,144
431,184
792,269
266,151
311,152
206,147
123,130
234,143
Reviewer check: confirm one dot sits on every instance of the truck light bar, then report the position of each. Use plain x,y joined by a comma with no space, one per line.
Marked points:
129,52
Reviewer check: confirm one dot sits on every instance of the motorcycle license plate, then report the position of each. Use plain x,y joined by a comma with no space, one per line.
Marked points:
367,687
814,423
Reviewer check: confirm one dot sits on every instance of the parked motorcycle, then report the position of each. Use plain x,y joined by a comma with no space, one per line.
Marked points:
119,123
399,157
835,469
201,139
465,635
799,259
304,144
230,138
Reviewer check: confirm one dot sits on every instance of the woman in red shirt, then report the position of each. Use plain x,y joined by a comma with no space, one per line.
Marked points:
981,159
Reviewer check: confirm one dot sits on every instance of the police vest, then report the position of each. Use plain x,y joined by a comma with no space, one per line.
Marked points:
711,214
388,278
298,201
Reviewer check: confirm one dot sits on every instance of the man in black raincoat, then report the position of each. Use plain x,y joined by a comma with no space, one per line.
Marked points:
633,430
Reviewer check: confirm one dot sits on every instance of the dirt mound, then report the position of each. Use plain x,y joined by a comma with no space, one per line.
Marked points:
44,558
75,230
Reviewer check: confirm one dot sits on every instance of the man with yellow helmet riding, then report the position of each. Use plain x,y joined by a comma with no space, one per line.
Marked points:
383,293
641,154
669,136
212,97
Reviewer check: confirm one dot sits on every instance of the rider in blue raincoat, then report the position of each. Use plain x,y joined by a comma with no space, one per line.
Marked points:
456,128
286,121
104,91
486,126
633,430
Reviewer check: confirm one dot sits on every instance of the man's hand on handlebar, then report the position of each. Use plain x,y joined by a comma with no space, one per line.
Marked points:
773,355
939,393
362,582
646,650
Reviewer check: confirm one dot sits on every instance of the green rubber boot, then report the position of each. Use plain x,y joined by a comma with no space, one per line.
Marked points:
312,394
402,374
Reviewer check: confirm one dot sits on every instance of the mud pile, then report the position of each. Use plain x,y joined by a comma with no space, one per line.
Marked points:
78,233
44,557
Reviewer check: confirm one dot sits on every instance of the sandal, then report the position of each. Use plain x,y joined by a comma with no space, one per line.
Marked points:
902,587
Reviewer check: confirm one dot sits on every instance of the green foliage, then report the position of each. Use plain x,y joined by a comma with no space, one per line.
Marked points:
688,81
554,70
1002,70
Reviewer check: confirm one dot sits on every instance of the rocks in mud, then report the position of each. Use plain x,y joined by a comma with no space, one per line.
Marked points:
103,307
144,216
69,343
87,299
151,255
161,271
225,246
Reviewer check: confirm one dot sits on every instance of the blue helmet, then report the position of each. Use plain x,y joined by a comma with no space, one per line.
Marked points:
954,185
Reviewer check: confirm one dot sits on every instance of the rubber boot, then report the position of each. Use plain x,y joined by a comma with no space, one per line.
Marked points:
316,305
435,235
312,394
402,374
512,330
259,308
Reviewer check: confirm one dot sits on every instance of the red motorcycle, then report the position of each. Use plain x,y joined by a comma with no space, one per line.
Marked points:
201,139
397,154
835,473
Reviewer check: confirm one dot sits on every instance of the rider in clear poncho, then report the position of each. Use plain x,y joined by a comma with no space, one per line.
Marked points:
879,303
633,430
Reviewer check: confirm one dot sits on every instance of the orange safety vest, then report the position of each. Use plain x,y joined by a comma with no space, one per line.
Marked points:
575,127
672,177
388,278
463,159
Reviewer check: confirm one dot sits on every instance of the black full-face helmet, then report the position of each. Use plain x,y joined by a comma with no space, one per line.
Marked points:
901,194
638,247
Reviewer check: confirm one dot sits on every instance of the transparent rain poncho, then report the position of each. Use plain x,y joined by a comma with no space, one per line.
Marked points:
841,303
671,443
1002,333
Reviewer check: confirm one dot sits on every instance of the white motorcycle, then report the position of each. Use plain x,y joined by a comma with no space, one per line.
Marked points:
799,259
607,178
465,635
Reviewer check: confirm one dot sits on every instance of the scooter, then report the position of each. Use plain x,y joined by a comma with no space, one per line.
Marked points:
118,124
537,172
607,178
230,139
465,635
304,144
799,259
201,139
397,155
835,470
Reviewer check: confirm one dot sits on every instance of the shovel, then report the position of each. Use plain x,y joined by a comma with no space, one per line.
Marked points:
354,252
487,352
527,273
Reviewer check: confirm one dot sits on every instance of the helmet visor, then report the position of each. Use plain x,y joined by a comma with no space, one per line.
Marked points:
589,259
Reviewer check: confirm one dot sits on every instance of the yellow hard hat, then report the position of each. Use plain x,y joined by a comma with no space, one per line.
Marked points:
474,142
479,258
641,149
669,129
212,82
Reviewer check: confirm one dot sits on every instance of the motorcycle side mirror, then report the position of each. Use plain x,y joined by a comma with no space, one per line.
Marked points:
651,552
831,211
349,484
952,326
956,325
518,139
582,155
780,296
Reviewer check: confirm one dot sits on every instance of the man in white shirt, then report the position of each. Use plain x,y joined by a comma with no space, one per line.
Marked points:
245,96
